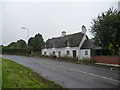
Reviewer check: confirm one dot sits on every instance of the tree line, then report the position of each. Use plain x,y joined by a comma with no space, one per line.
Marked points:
21,47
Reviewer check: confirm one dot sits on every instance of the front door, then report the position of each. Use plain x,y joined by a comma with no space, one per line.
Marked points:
59,53
74,53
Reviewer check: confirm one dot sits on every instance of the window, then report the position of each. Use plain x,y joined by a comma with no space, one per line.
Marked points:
45,45
68,43
67,52
44,53
86,52
53,45
53,52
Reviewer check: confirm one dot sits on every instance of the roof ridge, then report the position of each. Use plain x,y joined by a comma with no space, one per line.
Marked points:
64,36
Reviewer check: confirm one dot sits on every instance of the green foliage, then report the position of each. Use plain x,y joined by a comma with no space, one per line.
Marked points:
18,76
44,56
48,56
15,48
17,45
21,43
36,42
106,30
13,51
52,56
20,47
28,49
68,58
87,61
1,46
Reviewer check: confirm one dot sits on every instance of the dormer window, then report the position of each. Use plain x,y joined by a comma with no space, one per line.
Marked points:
68,43
53,45
45,45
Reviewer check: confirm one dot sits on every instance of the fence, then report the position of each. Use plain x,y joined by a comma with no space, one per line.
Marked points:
107,59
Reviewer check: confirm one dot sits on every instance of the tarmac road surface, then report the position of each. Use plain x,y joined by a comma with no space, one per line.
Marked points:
69,75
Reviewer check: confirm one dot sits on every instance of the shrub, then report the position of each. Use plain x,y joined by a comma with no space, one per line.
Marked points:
53,56
46,56
87,61
68,58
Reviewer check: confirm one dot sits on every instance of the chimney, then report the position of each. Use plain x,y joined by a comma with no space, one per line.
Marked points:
63,33
83,29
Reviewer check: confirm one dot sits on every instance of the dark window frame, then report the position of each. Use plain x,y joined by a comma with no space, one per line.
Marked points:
45,53
68,52
86,52
53,52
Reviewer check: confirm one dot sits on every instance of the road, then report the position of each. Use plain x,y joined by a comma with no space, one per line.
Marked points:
69,75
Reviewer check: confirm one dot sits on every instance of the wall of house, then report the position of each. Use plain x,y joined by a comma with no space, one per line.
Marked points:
85,54
80,53
62,50
80,45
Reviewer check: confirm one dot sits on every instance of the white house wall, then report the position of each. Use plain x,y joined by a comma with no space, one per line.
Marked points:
49,51
82,54
80,45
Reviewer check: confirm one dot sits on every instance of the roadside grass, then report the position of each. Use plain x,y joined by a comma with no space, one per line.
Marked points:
0,72
15,75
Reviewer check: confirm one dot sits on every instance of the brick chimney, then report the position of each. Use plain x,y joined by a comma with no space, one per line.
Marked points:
63,33
83,29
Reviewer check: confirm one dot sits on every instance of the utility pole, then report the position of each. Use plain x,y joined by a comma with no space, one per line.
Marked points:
27,33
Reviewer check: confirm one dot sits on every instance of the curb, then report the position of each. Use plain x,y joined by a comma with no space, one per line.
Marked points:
113,65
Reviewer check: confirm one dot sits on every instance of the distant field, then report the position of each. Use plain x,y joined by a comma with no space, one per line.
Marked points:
18,76
0,72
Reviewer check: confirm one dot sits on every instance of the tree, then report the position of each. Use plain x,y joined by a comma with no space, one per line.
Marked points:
15,48
17,45
106,30
21,43
36,42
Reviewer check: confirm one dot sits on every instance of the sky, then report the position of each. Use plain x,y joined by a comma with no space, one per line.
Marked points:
47,18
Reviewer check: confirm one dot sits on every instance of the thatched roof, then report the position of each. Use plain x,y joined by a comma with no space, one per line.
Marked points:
59,42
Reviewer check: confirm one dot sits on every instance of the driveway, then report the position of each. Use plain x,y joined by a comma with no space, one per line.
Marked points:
69,75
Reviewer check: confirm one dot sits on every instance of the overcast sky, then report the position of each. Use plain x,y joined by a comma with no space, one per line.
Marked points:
47,18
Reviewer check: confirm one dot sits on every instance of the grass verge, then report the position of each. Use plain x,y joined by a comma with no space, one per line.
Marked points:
0,72
15,75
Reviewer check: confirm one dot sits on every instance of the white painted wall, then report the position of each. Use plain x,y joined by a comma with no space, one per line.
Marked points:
63,51
82,54
80,45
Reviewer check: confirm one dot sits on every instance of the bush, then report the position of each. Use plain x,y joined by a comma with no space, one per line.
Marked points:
53,56
48,56
87,61
14,51
68,58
